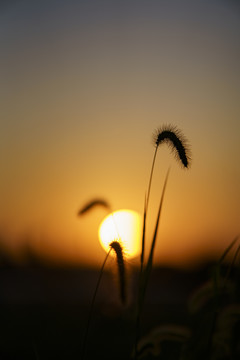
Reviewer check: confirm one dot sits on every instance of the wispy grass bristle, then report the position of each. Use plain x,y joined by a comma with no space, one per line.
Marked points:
174,138
117,247
90,205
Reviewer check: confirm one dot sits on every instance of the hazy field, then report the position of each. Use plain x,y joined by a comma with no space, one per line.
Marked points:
44,311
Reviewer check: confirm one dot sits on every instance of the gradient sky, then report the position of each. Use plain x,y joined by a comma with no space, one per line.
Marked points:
84,84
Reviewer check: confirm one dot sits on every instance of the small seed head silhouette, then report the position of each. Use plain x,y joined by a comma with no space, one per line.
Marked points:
90,205
116,246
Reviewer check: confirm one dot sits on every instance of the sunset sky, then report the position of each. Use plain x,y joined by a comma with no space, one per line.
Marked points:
84,84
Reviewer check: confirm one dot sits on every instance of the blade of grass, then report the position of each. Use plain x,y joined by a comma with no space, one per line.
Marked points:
151,175
231,266
145,212
143,236
227,250
216,273
148,268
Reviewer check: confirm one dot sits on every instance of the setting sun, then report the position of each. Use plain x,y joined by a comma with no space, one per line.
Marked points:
123,224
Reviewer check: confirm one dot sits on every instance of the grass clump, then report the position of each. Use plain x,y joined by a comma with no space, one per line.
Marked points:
214,308
178,144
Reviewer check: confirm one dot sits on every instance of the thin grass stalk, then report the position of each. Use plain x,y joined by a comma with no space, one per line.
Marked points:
217,271
143,236
148,268
143,245
144,275
177,142
92,304
227,250
151,175
216,274
145,209
231,266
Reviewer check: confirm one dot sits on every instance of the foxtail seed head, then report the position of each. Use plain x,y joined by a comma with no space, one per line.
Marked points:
177,142
116,246
90,205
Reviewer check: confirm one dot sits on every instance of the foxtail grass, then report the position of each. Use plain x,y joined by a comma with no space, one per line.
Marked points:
178,144
145,272
174,138
82,211
148,267
117,247
92,204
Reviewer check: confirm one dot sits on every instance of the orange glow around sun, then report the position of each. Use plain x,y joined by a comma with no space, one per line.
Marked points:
124,225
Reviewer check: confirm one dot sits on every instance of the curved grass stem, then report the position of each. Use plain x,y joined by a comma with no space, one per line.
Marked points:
91,306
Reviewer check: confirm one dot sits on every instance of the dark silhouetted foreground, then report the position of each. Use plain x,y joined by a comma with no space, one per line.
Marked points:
44,311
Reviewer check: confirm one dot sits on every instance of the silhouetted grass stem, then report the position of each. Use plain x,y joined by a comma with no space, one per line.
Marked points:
92,304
